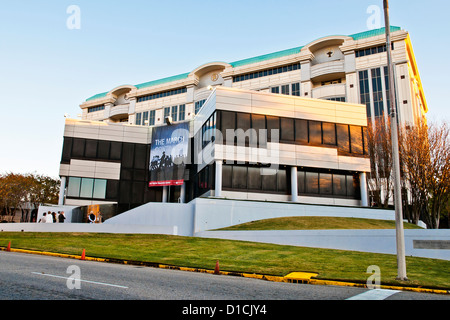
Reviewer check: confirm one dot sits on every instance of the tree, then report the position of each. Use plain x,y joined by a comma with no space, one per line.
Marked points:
17,190
425,157
380,181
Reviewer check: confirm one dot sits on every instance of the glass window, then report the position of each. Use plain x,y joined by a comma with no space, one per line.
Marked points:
287,129
243,121
325,183
339,187
351,183
356,140
285,89
296,89
269,180
151,121
364,90
273,124
259,124
228,121
377,89
254,178
312,182
343,139
73,189
175,113
301,131
239,177
226,176
315,132
138,119
166,112
329,133
182,113
275,90
78,147
87,186
281,180
199,105
99,189
91,148
145,118
301,182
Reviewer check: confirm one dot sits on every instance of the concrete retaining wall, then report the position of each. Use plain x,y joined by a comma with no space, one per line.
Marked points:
376,241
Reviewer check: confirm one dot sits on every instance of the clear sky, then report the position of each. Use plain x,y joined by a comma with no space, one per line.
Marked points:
47,69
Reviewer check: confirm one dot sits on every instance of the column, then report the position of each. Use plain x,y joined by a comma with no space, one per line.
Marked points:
218,186
294,186
183,193
363,186
165,193
62,190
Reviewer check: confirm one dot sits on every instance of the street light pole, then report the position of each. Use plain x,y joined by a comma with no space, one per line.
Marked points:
400,237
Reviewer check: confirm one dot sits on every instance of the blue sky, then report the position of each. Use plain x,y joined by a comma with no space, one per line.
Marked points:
47,70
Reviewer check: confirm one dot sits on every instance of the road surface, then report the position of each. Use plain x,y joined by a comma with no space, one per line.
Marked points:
36,277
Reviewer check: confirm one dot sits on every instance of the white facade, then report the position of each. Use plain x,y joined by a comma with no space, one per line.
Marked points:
335,67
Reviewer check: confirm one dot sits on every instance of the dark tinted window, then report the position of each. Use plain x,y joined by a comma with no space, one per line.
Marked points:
301,131
312,182
269,180
339,187
103,149
239,179
226,176
356,140
78,147
254,178
273,128
91,149
287,129
315,132
326,186
329,133
343,138
116,150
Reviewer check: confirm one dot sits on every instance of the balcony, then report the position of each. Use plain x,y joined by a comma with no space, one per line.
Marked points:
118,111
327,68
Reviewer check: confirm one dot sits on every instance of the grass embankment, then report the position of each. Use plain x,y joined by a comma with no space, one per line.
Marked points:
238,256
318,223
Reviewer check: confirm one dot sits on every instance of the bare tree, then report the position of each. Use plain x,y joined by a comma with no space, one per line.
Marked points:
380,150
425,157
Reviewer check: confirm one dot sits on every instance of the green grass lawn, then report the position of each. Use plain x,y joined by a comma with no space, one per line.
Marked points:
318,223
238,256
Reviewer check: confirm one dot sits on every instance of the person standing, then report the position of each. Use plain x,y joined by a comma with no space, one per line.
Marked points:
44,218
61,217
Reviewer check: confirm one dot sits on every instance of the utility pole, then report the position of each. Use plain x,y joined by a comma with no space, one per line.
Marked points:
400,236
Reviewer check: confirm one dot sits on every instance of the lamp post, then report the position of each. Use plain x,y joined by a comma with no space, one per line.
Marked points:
400,237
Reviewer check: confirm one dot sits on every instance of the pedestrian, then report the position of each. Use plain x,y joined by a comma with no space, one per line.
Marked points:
61,217
44,218
54,217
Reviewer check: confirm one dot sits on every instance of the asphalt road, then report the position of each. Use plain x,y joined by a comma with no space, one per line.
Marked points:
36,277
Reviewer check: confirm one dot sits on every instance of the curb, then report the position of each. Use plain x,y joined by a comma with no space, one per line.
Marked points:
304,278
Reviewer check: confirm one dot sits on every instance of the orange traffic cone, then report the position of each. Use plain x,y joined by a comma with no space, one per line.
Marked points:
83,255
216,270
8,248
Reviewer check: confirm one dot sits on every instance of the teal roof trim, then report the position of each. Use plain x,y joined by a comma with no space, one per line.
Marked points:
274,55
373,33
97,96
161,81
265,57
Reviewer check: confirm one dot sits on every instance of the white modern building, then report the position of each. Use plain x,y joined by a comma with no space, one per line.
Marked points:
288,126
